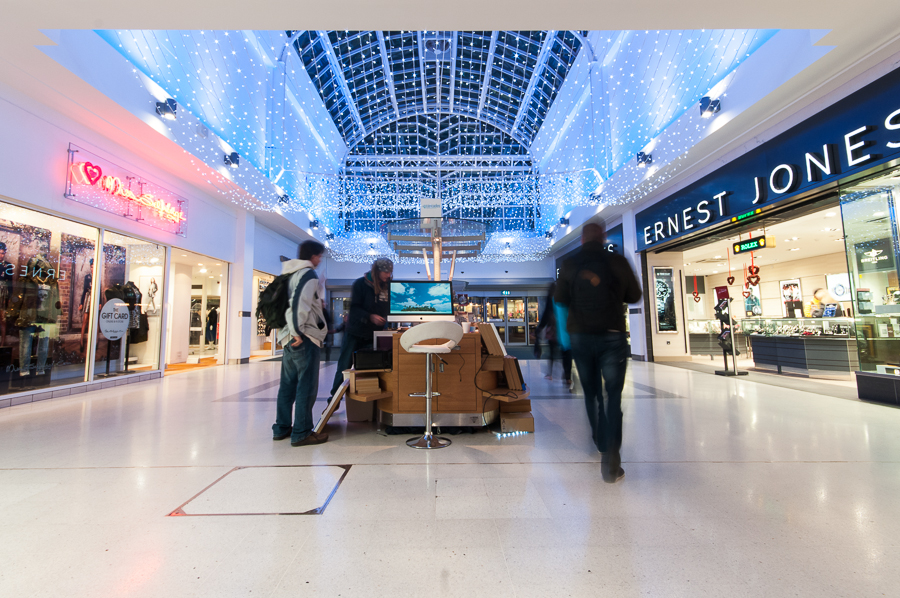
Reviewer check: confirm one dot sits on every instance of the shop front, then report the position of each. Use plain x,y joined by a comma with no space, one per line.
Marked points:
786,259
78,303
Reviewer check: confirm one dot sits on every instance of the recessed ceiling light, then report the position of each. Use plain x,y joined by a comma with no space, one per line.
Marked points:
717,257
830,214
878,214
183,255
787,240
199,264
715,271
153,260
202,270
795,249
218,264
212,276
794,238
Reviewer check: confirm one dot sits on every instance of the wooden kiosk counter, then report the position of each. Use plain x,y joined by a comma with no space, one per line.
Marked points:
476,383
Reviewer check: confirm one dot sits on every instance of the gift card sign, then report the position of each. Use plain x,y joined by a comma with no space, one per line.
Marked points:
114,318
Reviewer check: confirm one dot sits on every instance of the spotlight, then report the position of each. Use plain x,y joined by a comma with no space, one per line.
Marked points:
167,109
644,160
709,106
284,199
549,234
329,236
564,221
233,160
314,224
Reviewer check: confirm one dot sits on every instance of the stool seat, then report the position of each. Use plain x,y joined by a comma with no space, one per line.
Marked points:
430,348
410,340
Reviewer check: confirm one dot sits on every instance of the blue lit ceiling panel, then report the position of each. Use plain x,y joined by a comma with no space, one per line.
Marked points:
356,126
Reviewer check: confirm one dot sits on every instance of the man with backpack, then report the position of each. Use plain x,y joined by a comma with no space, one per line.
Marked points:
302,335
595,284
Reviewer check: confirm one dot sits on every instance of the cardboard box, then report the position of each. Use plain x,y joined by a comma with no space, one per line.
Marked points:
516,422
523,406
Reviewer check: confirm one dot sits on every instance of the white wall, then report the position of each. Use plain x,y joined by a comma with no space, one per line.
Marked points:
179,309
811,272
668,346
269,246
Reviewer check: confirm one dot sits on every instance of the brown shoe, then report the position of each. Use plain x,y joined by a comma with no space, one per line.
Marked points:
313,438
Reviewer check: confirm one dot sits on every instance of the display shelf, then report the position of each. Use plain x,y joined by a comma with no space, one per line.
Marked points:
841,327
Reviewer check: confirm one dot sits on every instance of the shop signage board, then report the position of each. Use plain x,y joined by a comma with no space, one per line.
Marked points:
114,319
856,133
97,182
749,245
875,256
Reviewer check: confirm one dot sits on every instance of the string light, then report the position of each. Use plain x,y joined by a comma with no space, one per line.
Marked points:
464,125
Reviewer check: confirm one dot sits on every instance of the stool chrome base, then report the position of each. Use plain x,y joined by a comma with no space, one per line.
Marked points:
428,442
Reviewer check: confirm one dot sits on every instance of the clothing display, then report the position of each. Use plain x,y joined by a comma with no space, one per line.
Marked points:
36,297
28,337
6,282
212,325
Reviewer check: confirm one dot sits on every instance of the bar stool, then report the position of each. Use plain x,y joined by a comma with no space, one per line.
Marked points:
409,340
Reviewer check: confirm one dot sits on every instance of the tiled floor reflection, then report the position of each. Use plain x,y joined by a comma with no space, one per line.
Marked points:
732,488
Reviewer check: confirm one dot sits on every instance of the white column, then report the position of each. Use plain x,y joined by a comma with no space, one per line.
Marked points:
635,320
239,307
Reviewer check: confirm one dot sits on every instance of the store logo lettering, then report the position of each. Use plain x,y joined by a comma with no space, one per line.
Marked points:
874,256
784,178
85,173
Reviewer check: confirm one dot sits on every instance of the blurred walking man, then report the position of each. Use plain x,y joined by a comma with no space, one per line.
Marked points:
595,284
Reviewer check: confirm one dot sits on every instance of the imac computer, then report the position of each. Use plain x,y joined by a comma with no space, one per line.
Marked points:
420,301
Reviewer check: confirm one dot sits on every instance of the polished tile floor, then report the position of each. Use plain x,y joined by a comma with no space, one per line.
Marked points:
732,488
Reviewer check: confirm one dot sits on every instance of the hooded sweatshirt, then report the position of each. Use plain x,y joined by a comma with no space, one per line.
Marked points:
306,318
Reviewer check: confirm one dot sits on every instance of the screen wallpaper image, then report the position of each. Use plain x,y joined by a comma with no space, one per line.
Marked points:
421,298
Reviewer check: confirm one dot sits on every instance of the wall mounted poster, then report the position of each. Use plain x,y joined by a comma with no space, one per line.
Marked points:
664,279
752,302
791,298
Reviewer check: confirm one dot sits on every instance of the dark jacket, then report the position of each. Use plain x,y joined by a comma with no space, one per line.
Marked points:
594,284
364,303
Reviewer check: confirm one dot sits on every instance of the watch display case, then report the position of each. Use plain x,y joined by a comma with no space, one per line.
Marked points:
800,327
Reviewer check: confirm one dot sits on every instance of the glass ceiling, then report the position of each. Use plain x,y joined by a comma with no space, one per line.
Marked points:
357,127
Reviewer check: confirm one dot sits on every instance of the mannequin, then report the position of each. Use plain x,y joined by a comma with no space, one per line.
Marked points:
37,309
6,280
85,306
212,325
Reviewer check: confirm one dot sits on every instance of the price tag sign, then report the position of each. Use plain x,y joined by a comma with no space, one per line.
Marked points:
114,318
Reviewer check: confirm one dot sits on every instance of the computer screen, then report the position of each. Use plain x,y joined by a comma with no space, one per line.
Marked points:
420,301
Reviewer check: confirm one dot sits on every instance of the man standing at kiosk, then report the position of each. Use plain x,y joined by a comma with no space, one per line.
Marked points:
595,284
301,338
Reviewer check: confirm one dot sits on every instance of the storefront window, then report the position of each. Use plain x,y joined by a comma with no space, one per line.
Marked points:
869,211
45,263
129,314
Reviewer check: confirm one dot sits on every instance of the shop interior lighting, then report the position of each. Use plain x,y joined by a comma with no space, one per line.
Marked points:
233,160
644,160
167,109
202,270
795,249
709,106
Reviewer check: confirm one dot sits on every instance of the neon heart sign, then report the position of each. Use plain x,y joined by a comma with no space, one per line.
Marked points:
86,173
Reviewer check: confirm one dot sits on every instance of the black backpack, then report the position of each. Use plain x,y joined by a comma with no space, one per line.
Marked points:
273,300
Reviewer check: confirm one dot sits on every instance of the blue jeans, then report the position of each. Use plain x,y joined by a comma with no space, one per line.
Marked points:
298,389
345,360
602,358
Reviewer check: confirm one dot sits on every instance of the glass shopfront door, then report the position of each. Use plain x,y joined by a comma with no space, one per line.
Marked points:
510,316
